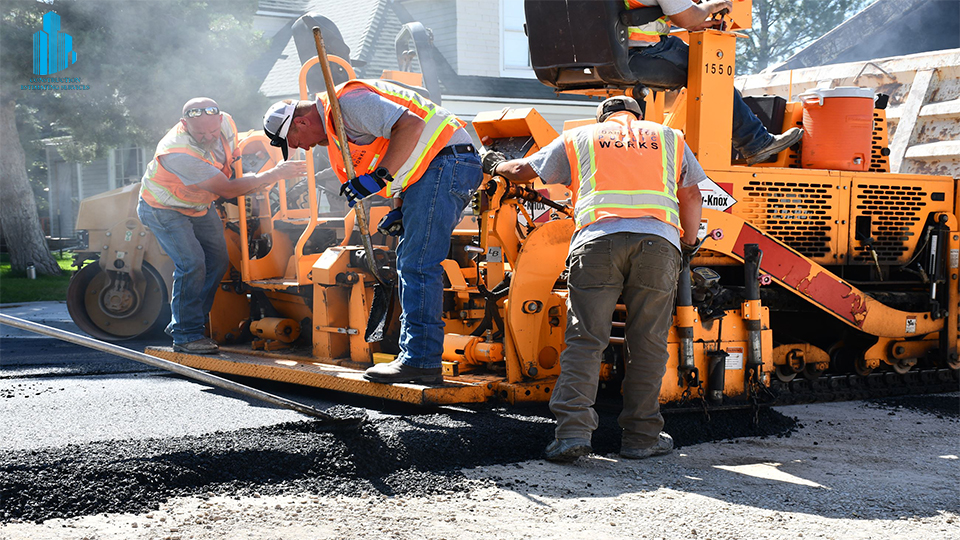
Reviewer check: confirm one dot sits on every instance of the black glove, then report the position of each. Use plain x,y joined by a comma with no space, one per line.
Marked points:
392,223
490,160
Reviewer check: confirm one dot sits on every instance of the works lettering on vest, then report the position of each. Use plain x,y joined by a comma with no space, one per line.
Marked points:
608,138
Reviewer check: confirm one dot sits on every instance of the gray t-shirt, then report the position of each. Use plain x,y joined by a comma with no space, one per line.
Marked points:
367,115
191,170
553,167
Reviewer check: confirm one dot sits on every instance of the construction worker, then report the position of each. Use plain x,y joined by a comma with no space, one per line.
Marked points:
407,147
652,40
637,207
193,167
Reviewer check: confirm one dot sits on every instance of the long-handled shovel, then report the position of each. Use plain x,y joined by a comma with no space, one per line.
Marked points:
382,291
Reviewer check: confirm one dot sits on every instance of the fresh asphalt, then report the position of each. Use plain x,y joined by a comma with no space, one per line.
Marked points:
86,432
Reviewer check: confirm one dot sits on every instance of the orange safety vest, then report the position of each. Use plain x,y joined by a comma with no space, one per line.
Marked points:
648,34
440,126
161,188
624,168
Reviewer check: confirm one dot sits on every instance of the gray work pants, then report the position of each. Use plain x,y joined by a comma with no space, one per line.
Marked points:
643,268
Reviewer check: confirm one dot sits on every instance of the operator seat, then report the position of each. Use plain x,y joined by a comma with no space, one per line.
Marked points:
582,45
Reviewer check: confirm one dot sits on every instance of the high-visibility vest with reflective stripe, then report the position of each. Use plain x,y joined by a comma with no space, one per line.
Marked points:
624,168
161,188
440,126
648,34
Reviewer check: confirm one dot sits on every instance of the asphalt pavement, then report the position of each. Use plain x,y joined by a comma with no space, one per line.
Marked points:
87,433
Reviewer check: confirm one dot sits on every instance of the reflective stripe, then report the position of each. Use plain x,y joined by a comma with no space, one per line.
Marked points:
164,196
434,128
649,33
161,188
587,159
439,126
630,200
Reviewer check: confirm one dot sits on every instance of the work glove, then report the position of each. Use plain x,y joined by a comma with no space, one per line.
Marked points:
392,223
490,160
361,187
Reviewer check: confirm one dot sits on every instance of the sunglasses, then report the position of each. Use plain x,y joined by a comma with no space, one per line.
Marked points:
194,113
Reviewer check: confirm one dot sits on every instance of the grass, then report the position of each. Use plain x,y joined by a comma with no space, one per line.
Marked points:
15,287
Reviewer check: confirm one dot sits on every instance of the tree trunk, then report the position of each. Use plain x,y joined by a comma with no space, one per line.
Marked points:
18,220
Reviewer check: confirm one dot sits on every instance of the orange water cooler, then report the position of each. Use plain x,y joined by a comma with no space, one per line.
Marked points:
837,128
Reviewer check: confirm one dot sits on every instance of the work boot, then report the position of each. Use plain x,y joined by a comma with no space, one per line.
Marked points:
398,372
200,346
663,446
567,450
779,143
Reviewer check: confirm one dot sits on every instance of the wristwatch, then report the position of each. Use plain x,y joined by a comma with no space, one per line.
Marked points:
383,175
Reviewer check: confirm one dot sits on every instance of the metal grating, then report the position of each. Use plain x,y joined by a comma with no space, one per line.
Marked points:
879,152
893,211
798,213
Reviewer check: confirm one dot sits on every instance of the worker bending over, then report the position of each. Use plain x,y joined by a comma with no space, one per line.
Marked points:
192,167
636,206
652,40
403,146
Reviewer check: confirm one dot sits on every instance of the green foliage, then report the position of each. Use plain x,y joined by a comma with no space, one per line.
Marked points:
15,287
783,27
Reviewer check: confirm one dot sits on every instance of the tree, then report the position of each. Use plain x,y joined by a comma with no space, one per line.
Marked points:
782,27
137,63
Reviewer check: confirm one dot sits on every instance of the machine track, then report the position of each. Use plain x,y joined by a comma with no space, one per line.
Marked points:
874,385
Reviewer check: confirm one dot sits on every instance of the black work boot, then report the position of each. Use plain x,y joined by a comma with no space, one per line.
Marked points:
200,346
398,372
779,143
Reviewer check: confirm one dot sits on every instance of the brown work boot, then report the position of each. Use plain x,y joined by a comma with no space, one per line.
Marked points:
779,143
200,346
398,372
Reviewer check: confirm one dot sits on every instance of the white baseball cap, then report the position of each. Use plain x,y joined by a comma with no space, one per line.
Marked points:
276,124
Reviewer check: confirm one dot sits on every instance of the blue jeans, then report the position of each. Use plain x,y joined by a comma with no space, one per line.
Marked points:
199,253
432,207
749,135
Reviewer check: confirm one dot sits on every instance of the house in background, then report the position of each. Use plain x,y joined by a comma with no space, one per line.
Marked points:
480,51
68,182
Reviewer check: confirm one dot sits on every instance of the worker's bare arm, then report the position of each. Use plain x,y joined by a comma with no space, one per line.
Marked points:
228,189
516,170
691,207
695,18
403,141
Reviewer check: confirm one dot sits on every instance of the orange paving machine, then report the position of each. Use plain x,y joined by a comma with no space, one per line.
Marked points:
847,278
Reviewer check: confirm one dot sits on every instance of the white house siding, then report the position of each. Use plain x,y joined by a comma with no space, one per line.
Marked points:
478,30
95,177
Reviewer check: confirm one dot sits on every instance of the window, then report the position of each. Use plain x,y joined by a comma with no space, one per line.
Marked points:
515,54
129,165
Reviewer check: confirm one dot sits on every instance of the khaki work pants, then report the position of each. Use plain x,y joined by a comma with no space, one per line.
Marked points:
643,268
